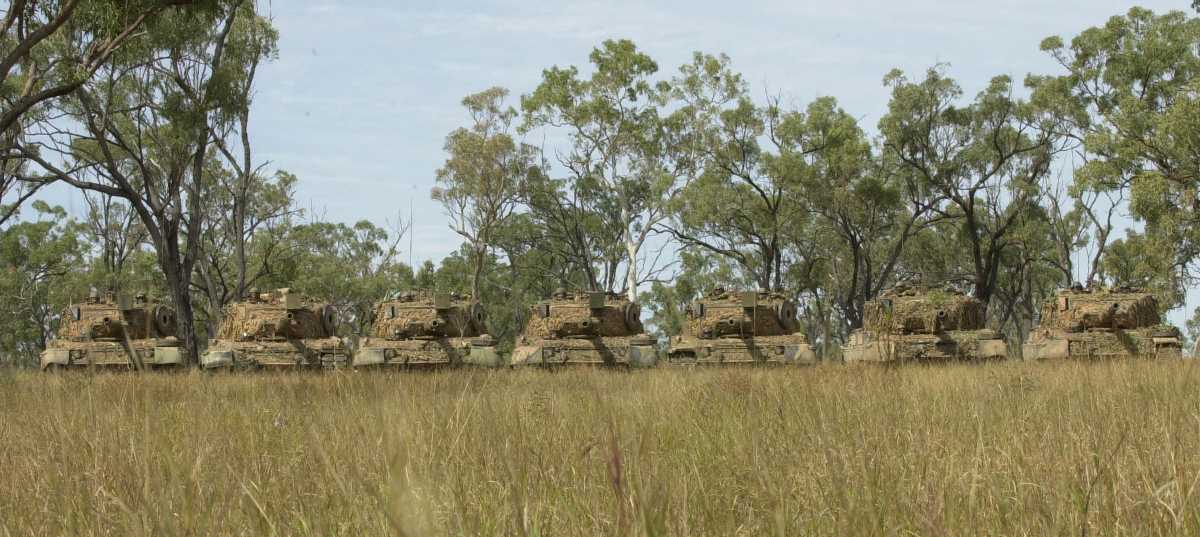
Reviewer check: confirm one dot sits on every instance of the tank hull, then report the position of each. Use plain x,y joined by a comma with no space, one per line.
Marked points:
954,346
626,352
424,353
761,350
155,353
1101,345
292,354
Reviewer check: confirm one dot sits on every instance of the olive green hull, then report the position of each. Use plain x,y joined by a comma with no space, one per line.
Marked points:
424,353
291,354
595,352
154,353
1101,345
953,346
761,350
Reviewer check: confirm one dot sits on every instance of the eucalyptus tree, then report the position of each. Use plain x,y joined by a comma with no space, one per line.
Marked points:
38,256
115,234
351,266
248,206
1129,101
614,160
739,190
146,126
481,181
48,49
244,237
986,159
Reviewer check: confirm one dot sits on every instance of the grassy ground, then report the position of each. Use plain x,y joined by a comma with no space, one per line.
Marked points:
1003,449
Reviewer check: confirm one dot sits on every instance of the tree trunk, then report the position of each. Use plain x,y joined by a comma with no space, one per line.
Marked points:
631,250
477,272
179,284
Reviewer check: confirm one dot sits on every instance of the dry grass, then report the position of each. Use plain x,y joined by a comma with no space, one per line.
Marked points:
1004,449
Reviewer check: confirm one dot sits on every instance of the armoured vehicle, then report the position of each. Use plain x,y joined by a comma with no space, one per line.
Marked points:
1102,323
278,329
107,331
598,329
919,324
740,328
422,329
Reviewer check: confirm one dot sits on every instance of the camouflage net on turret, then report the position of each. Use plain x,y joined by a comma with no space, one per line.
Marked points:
568,313
922,311
109,318
1075,310
725,313
416,314
265,317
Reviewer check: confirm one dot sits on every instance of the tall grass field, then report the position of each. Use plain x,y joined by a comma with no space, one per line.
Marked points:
1003,449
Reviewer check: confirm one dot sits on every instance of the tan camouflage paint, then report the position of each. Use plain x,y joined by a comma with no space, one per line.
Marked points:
418,329
278,329
1102,323
580,328
919,324
746,328
103,330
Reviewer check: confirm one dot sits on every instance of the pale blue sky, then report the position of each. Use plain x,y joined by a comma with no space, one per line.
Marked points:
363,93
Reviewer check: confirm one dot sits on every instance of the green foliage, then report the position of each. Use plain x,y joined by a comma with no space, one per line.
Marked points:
41,260
615,167
699,272
481,182
352,267
1129,100
983,163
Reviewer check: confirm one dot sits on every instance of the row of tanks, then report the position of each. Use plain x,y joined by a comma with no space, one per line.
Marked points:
281,329
921,324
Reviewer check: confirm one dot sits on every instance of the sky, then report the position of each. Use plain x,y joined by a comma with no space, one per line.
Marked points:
363,93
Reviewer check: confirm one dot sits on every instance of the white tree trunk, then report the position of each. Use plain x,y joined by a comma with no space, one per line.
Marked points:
632,246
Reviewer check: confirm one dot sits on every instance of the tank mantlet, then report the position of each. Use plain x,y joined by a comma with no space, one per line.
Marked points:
427,329
741,327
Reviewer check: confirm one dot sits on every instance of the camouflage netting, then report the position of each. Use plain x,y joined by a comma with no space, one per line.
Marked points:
107,318
266,317
571,315
923,311
417,315
1075,310
726,314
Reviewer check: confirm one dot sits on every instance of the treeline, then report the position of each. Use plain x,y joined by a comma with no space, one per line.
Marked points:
618,175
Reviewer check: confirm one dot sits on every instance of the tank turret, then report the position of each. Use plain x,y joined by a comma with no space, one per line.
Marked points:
1102,323
427,329
110,330
582,328
276,329
746,327
916,324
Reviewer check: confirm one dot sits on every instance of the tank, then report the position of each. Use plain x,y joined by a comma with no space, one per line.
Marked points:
111,332
276,330
1102,323
741,328
919,324
587,329
420,329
